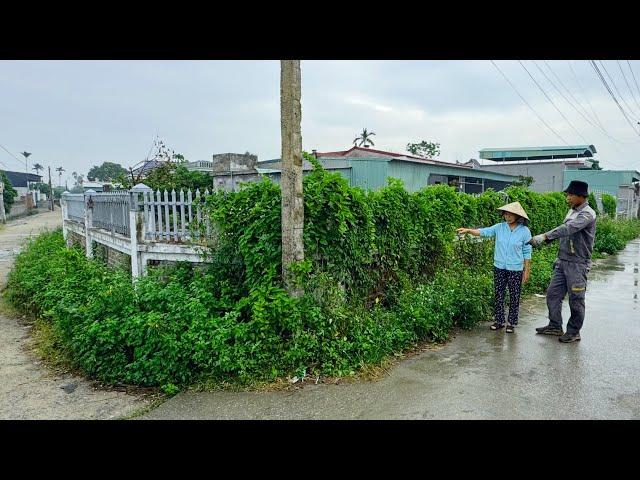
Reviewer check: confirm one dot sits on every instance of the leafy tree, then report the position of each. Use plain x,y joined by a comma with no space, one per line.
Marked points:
107,172
596,165
42,187
523,181
424,149
9,193
37,167
57,192
173,176
609,204
364,138
593,203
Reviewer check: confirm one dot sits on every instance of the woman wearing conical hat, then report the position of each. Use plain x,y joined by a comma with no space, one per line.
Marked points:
511,260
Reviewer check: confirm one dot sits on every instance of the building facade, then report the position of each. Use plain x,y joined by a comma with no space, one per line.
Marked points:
546,165
370,169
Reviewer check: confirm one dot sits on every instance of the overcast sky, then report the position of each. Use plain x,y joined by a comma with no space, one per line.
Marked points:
77,114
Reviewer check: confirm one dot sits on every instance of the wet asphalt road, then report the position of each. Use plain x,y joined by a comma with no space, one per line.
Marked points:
482,374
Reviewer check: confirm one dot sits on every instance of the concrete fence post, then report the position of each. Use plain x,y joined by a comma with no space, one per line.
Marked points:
63,208
88,221
3,215
136,229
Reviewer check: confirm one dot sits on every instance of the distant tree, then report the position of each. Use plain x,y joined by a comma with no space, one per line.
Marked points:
79,180
593,203
595,165
42,187
57,192
60,170
9,193
107,172
609,204
174,176
424,149
523,181
364,138
37,167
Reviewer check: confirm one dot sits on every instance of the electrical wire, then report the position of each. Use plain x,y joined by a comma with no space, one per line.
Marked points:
628,86
528,105
572,105
554,105
613,83
604,82
584,94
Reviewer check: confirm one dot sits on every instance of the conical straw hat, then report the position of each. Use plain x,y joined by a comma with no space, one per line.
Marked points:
516,208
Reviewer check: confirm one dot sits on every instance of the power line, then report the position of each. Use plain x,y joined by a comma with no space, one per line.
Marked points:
567,100
634,76
530,107
584,94
554,105
616,89
604,82
628,86
563,86
20,161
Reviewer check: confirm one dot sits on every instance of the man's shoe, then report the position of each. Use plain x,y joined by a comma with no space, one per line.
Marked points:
549,330
570,337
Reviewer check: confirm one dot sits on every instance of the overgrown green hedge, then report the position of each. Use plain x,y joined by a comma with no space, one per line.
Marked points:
382,272
609,205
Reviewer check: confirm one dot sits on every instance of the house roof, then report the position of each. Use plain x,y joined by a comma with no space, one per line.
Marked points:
359,151
19,179
538,152
146,166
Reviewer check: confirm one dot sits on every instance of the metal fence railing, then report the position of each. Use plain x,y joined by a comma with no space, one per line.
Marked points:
111,212
75,207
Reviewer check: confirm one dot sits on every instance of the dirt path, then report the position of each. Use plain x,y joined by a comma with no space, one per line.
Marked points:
29,390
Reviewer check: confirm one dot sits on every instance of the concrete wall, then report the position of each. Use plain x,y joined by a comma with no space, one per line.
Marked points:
548,177
236,162
111,257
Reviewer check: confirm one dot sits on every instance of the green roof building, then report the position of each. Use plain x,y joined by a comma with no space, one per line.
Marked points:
624,185
368,168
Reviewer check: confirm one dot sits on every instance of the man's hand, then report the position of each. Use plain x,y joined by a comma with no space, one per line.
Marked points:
525,276
537,240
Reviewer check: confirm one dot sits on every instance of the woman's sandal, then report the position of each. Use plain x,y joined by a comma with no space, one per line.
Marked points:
496,326
510,329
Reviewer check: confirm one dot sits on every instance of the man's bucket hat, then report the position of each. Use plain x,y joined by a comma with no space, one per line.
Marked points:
516,208
578,188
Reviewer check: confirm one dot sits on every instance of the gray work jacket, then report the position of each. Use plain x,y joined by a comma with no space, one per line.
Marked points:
576,234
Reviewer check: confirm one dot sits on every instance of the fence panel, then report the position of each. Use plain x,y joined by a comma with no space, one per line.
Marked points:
169,216
111,212
75,207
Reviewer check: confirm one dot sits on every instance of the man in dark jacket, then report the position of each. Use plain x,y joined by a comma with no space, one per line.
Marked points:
577,235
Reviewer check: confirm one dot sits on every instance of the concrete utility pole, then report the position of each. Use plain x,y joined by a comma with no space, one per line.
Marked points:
291,176
3,215
26,169
50,190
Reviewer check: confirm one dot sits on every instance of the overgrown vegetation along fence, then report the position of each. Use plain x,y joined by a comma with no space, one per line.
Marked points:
139,223
382,272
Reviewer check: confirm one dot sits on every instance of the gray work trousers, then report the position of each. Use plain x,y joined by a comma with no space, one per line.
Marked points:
568,277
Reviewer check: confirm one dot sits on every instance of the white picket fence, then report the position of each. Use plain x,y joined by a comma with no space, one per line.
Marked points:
172,218
140,223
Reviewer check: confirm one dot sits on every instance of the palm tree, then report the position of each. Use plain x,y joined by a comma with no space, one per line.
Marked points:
364,139
37,167
60,170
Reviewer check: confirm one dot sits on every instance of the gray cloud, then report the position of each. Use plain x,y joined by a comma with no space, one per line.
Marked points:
82,113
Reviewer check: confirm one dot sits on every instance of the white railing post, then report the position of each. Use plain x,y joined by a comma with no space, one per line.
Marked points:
63,208
88,221
137,229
